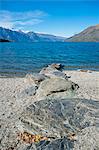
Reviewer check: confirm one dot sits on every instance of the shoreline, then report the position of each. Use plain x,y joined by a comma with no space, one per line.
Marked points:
20,74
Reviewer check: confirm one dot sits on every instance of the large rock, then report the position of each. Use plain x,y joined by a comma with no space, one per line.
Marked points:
55,86
69,124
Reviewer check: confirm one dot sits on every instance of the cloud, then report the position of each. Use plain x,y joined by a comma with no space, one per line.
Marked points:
21,20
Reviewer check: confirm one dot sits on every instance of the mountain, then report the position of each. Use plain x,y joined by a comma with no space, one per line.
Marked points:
48,37
33,36
90,34
19,36
10,35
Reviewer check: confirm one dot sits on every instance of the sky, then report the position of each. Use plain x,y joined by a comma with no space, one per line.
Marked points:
58,17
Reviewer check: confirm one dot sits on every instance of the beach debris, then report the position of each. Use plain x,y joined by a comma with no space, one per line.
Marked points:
29,138
72,136
81,70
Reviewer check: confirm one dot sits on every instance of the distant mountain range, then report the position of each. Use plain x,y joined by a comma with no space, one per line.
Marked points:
90,34
19,36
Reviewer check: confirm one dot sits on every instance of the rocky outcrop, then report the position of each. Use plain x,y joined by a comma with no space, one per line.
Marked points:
51,71
51,82
69,124
54,70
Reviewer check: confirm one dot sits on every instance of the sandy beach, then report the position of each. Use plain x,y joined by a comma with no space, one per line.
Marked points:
88,83
13,100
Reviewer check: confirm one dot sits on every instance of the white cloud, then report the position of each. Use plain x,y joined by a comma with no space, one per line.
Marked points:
21,20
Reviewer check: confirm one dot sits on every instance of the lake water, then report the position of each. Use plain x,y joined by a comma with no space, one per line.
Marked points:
21,58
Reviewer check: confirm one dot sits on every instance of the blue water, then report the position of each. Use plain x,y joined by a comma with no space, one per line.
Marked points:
20,58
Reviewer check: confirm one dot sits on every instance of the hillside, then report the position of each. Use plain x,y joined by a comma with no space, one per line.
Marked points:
91,34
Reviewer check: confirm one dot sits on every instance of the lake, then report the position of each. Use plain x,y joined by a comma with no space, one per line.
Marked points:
21,58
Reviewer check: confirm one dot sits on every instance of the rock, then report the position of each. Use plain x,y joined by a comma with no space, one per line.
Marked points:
55,85
54,74
56,66
26,92
58,144
35,77
47,70
68,123
53,70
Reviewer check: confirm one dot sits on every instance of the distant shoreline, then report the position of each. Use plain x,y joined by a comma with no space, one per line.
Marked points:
3,40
